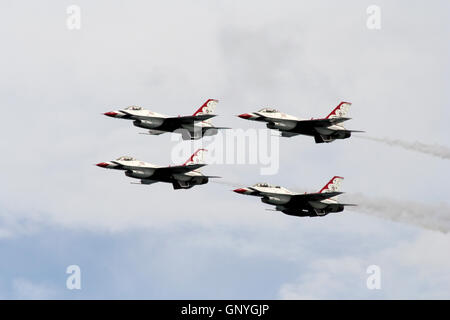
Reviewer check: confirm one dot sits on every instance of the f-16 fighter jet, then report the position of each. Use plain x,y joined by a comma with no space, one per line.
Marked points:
323,130
299,204
183,176
191,127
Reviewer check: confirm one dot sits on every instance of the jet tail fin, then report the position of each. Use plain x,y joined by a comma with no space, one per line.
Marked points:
340,111
196,158
332,185
207,108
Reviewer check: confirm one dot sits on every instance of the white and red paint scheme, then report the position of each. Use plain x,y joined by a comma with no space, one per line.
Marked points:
183,176
190,127
299,204
323,130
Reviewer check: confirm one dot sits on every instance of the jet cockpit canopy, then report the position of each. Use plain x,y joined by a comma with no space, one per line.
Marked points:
126,158
265,185
134,108
269,110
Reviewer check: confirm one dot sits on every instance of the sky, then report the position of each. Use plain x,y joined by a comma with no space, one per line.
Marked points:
150,242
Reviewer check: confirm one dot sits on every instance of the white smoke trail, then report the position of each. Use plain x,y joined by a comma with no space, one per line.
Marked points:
426,216
431,149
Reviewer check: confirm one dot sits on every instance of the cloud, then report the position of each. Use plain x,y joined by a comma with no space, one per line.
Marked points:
345,277
26,290
14,224
327,279
183,261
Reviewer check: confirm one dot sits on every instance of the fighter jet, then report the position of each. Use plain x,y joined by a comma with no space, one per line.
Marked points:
183,176
298,204
323,130
190,127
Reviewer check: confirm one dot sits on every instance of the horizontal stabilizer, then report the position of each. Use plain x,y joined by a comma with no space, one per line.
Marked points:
153,132
220,128
340,119
145,182
200,117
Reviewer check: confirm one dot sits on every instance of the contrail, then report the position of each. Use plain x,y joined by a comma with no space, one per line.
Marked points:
433,217
431,149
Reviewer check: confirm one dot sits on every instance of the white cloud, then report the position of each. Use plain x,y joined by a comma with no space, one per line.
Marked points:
415,269
327,279
27,290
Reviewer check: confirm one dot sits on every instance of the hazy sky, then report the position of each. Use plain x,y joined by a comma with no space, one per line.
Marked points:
57,209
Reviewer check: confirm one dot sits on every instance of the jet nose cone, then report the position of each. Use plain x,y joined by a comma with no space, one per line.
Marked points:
102,165
111,114
240,190
245,116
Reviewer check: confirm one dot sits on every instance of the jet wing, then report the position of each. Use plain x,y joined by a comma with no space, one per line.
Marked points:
309,123
167,171
300,197
322,122
135,116
128,167
173,121
178,121
303,198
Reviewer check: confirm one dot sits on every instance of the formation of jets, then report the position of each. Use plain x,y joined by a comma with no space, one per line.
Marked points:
198,125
